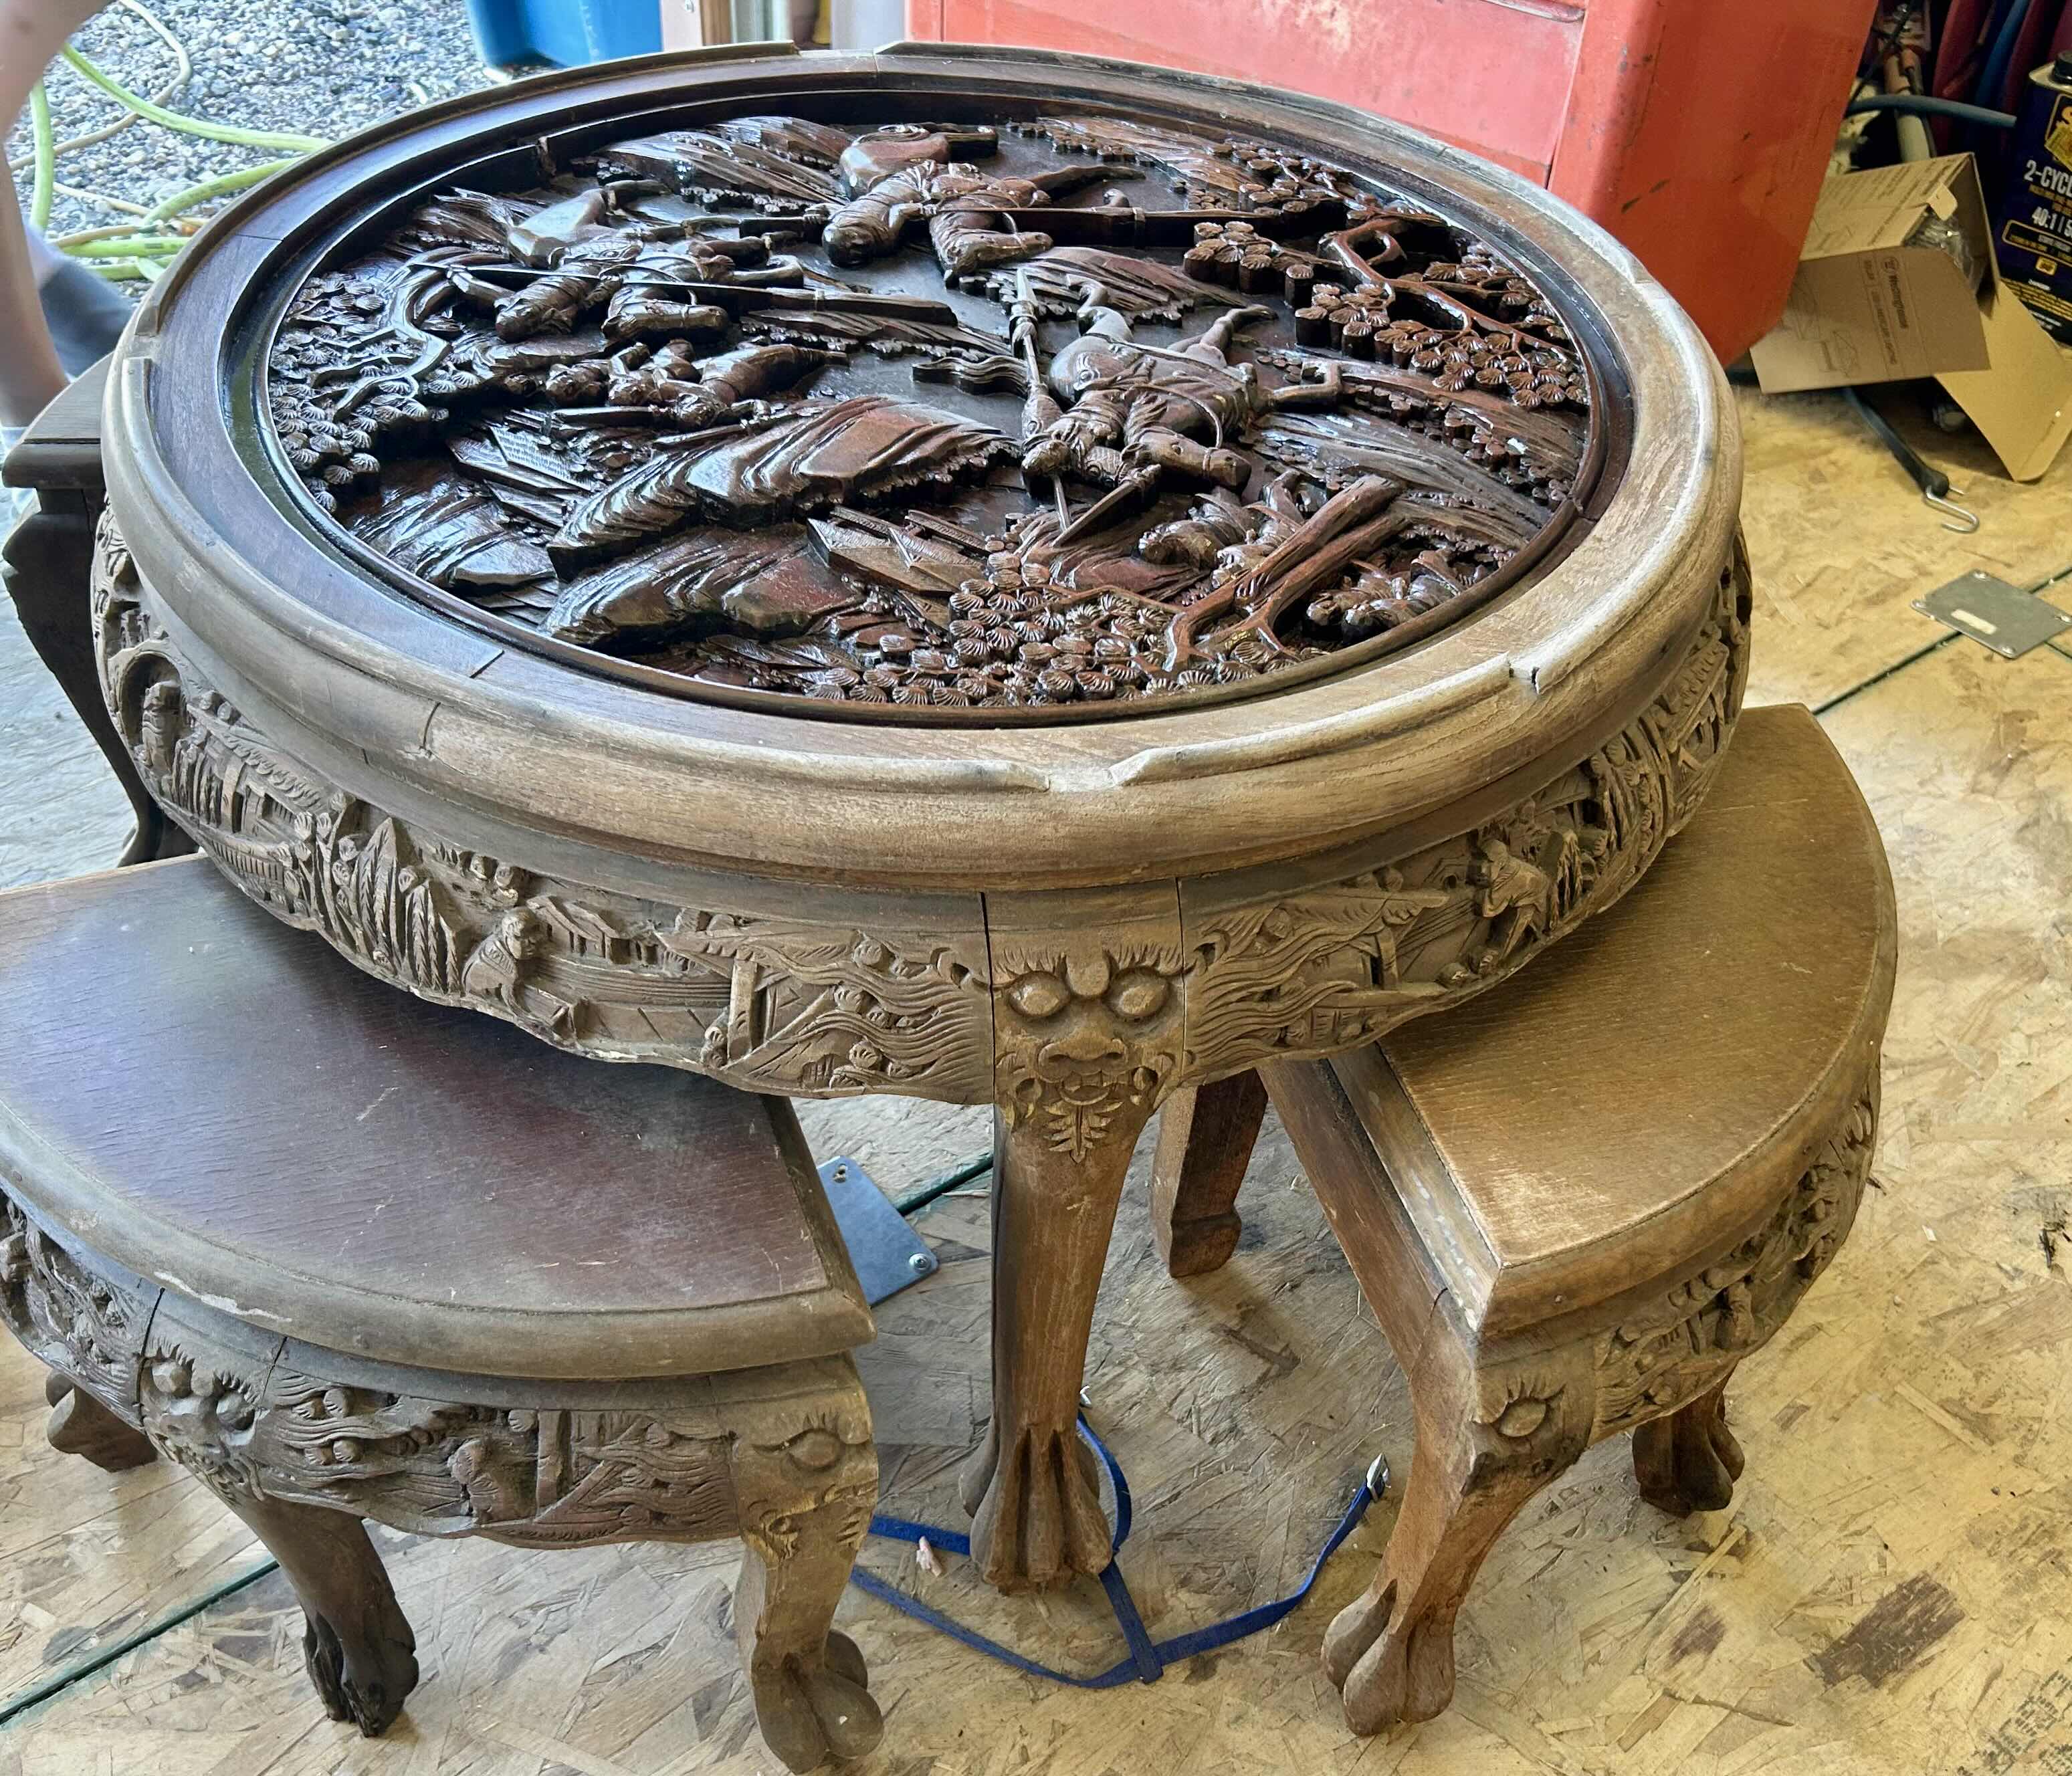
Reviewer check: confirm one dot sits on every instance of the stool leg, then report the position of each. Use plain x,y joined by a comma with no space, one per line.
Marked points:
49,565
1485,1443
81,1425
1689,1460
1205,1140
357,1645
807,1680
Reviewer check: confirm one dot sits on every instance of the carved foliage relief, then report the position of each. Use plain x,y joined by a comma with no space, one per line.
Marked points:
749,1452
947,417
535,1476
1539,1401
1082,1028
76,1319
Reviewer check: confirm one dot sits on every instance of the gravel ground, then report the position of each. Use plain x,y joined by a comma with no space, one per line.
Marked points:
320,67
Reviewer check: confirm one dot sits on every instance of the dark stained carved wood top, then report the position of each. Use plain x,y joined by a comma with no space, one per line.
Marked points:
371,678
979,421
297,1143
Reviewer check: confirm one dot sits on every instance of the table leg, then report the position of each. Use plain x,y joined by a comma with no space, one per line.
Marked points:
1205,1135
1492,1431
1690,1460
357,1645
1033,1487
81,1425
1088,1013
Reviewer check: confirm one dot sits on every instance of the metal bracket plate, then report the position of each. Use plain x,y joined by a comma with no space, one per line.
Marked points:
888,1254
1994,615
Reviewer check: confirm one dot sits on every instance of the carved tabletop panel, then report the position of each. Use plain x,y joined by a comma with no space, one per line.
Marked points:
918,419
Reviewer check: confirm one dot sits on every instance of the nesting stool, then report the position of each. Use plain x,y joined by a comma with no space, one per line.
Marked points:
1575,1204
343,1255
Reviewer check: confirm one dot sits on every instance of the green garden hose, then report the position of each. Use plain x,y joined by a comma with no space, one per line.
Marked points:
46,175
139,249
187,126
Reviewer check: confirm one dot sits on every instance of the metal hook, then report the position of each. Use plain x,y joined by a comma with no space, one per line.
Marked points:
1934,485
1971,519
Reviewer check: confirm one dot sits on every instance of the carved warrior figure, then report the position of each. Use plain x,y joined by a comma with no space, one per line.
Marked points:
673,385
639,280
1134,409
972,217
909,173
1513,893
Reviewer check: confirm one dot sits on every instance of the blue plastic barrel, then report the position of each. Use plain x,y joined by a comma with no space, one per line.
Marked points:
567,33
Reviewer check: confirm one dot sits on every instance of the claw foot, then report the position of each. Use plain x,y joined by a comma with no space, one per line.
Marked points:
1389,1671
1037,1519
367,1682
813,1711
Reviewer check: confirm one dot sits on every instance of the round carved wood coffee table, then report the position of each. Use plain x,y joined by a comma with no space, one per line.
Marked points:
981,575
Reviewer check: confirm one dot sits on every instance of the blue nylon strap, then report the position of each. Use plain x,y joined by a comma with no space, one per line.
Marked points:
1144,1661
1148,1658
1125,1511
905,1529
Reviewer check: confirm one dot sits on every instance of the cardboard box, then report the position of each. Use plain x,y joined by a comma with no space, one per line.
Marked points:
1867,307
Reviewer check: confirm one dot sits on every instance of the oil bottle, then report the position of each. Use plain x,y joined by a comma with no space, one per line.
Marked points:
2035,244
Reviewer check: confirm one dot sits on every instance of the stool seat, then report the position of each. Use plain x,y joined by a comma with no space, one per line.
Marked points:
1577,1202
346,1257
1636,1091
308,1150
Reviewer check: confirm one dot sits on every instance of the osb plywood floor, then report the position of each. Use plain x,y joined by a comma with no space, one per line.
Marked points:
1891,1592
